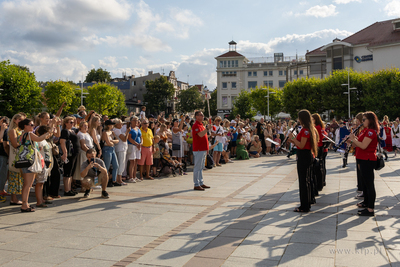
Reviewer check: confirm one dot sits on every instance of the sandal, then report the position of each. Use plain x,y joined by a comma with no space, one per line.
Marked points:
15,203
361,205
300,210
30,209
42,205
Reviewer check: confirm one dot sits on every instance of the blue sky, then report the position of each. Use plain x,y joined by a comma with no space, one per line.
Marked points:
64,39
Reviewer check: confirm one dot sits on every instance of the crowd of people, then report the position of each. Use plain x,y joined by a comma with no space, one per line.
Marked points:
88,150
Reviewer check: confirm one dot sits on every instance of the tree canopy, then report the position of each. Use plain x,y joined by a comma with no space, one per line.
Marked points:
106,99
158,93
189,100
243,105
57,92
98,75
260,101
21,92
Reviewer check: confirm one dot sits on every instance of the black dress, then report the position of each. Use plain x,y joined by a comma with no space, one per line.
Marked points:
73,152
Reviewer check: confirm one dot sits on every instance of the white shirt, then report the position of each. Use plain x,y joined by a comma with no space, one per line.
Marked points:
219,130
142,115
88,139
121,146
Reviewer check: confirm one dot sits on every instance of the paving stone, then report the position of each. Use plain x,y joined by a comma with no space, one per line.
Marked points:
110,253
52,255
81,262
165,258
240,262
305,261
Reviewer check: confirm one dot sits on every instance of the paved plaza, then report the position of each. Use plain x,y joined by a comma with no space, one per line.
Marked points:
245,219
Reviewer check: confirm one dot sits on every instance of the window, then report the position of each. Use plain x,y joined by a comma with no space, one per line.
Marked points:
236,63
265,73
280,73
285,72
282,84
144,83
134,83
229,63
269,83
224,85
252,84
224,63
271,73
233,85
295,72
224,101
337,63
301,72
221,64
255,73
249,73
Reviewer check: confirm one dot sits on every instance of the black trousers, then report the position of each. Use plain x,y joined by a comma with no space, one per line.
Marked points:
263,144
319,169
359,178
304,172
52,184
367,176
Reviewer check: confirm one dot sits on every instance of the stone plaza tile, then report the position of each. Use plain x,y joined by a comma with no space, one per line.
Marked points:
130,241
266,240
182,245
356,253
314,250
259,252
108,253
102,232
165,258
21,263
53,255
7,256
240,262
150,230
305,261
272,230
7,236
81,262
359,235
79,242
28,245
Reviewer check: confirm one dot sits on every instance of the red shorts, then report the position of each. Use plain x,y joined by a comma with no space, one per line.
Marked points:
146,157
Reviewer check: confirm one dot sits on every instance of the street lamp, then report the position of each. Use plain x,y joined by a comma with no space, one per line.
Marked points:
348,88
268,101
82,93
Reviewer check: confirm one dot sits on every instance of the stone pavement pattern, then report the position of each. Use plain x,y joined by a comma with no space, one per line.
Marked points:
245,219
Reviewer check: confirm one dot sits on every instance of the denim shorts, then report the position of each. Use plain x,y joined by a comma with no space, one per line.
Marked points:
25,170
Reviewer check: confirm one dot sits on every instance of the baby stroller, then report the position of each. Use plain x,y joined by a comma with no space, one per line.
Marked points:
167,167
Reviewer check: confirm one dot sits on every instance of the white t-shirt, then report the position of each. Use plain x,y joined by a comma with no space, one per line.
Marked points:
121,146
142,115
184,134
218,130
88,139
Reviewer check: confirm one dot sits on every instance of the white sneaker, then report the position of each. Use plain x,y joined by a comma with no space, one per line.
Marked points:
97,187
138,180
131,180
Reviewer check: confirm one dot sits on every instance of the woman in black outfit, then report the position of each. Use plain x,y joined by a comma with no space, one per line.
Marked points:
320,172
306,142
366,144
70,148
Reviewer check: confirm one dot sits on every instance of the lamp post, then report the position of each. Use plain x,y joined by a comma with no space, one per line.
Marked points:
82,93
267,96
348,88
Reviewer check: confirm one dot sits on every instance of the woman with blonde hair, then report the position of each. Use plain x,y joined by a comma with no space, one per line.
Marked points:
307,148
218,133
121,148
86,143
70,149
94,124
15,180
109,155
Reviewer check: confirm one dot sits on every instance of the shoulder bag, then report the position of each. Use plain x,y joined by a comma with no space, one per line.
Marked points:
380,162
25,155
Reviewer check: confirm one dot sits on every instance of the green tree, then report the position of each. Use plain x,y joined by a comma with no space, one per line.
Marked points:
106,99
58,92
332,90
260,101
158,93
382,94
21,92
213,104
243,105
302,94
98,75
190,100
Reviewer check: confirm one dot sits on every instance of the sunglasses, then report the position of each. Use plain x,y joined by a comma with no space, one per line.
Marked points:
31,124
71,122
145,123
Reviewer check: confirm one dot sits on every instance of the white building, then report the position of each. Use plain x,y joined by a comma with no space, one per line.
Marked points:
372,49
235,72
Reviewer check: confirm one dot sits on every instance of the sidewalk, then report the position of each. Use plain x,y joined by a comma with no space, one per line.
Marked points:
245,219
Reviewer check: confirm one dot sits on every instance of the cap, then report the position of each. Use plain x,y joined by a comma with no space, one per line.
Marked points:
233,121
77,116
151,116
109,122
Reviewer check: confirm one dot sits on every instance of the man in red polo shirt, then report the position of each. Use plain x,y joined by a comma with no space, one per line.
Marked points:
200,149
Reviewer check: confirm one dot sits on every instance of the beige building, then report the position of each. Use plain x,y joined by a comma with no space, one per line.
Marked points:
236,72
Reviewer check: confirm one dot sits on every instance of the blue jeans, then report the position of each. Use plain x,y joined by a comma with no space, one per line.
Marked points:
199,164
110,157
3,171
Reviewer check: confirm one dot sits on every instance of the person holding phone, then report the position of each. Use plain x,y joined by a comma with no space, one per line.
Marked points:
93,172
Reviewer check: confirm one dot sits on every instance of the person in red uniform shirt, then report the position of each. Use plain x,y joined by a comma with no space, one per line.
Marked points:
366,144
306,142
322,153
200,150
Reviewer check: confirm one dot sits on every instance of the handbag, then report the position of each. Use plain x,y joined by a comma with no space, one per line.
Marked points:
38,164
176,147
25,156
54,149
380,162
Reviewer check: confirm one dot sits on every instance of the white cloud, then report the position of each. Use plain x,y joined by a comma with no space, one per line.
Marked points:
392,9
129,71
164,27
321,11
48,67
108,62
346,1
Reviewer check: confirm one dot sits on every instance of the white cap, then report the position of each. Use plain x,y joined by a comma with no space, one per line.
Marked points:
233,121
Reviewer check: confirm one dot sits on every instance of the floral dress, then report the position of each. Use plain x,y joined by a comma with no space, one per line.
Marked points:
15,181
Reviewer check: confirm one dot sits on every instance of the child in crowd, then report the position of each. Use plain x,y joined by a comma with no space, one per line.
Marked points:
156,155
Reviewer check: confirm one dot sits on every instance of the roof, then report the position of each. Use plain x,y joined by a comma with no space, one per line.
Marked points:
378,33
231,54
316,52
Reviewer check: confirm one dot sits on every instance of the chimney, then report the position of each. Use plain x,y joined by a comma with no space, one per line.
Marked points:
150,72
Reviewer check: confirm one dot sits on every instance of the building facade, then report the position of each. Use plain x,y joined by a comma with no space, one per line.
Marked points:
235,72
372,49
